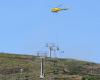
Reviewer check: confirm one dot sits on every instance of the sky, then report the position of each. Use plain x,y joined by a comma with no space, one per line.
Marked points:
27,25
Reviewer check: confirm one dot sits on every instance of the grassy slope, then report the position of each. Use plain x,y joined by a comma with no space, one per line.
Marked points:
11,65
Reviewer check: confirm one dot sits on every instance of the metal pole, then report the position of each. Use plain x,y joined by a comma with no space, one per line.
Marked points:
42,73
50,48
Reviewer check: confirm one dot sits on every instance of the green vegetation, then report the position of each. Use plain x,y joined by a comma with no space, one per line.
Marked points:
91,77
27,67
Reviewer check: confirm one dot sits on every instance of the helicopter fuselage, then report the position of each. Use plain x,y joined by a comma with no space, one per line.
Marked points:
57,9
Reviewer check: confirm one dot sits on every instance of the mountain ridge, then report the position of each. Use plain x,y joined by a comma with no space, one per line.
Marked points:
55,68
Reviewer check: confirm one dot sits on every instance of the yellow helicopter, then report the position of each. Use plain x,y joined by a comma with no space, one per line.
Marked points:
58,9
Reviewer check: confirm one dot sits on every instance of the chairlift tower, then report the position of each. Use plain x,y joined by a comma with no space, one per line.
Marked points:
42,55
41,72
52,48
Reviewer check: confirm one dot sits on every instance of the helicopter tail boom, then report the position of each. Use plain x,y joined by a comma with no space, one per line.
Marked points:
64,9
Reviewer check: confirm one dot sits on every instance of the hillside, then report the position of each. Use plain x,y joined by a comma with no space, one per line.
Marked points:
27,67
